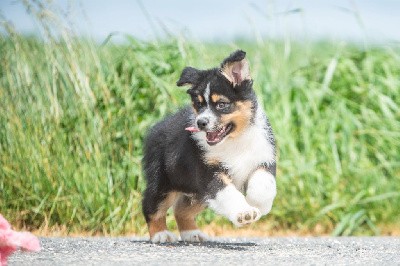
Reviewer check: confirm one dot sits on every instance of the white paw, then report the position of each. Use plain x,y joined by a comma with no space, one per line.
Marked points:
232,204
246,216
264,207
163,237
194,236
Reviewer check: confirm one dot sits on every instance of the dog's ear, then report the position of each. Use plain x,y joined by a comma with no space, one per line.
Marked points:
189,76
236,68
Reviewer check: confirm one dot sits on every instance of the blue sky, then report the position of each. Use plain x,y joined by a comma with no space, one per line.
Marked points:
372,20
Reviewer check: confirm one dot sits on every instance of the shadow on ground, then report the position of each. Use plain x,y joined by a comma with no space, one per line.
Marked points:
208,244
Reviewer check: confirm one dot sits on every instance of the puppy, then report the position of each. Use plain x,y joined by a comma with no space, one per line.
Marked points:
218,153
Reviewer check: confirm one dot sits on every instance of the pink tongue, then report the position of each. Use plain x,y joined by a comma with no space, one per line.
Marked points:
192,129
211,136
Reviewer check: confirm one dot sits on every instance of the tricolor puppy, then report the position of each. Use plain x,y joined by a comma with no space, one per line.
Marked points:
219,153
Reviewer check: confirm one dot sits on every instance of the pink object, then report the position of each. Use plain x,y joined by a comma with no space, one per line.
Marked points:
192,129
10,240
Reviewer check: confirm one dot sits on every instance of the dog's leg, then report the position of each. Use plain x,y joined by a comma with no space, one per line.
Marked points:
155,210
230,202
186,210
261,190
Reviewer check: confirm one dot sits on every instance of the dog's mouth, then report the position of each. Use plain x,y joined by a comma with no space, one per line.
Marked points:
214,137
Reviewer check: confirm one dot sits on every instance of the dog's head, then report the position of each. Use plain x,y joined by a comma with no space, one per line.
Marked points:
222,98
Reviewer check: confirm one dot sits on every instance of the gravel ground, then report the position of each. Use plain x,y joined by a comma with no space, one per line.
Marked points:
220,251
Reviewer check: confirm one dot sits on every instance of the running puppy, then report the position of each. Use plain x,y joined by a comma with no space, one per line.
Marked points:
219,153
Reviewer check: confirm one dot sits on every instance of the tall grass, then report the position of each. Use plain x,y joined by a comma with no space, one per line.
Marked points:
73,115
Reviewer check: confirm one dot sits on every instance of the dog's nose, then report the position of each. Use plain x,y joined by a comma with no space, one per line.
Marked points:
202,122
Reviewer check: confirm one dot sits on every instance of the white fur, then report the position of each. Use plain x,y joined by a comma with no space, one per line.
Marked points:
261,190
207,94
163,237
194,236
232,204
244,153
212,119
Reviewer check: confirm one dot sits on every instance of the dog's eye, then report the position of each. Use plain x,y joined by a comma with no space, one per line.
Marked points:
222,105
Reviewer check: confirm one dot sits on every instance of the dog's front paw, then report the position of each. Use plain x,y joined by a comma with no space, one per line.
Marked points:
247,216
164,237
194,236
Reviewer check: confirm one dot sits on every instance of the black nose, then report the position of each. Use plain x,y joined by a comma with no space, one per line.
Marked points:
202,123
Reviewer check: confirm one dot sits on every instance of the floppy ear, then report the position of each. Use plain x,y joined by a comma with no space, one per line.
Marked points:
189,76
236,68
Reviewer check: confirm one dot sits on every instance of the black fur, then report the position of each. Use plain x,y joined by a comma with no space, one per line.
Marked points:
173,162
234,57
189,75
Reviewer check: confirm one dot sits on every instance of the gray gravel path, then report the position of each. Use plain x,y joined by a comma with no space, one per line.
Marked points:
221,251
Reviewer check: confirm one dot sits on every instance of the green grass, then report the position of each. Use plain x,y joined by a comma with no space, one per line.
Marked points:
73,115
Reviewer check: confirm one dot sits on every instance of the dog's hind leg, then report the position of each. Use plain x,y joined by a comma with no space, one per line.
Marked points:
186,208
155,207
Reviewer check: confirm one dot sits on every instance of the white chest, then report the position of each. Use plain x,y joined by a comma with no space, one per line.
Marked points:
242,155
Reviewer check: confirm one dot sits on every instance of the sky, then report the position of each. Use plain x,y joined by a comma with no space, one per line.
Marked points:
224,20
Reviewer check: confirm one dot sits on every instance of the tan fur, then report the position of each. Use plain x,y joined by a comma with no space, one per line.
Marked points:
240,117
217,97
157,221
225,178
185,211
194,109
212,161
200,98
157,225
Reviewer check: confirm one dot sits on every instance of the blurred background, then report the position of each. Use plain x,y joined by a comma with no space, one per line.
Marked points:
82,81
372,21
